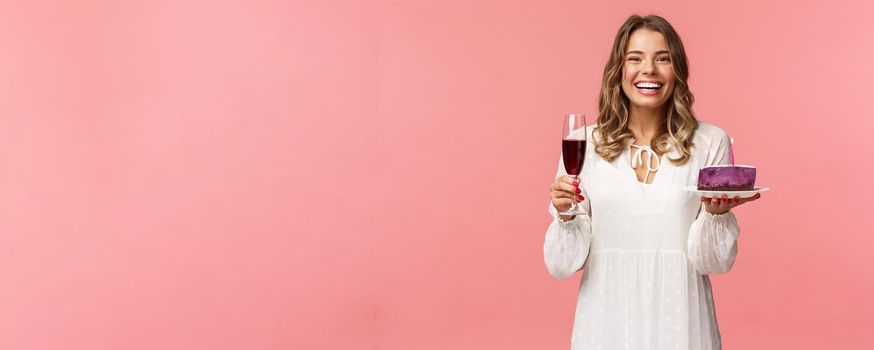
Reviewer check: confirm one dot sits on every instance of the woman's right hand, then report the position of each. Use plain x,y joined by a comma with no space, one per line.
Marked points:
563,192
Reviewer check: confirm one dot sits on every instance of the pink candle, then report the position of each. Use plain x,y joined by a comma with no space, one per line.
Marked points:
731,151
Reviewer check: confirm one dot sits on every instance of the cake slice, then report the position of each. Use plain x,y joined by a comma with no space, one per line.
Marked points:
727,178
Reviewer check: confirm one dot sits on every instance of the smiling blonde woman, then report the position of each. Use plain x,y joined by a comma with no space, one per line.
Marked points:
647,246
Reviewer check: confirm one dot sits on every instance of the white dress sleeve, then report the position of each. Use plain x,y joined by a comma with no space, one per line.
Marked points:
566,244
712,244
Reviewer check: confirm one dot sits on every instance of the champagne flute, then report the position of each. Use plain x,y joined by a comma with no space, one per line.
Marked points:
573,152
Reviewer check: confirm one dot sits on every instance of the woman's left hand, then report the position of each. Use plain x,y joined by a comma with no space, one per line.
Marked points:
722,205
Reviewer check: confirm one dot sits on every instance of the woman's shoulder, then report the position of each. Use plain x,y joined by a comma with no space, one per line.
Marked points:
709,131
590,132
709,134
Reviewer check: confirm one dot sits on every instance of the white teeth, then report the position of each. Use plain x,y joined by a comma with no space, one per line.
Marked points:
648,85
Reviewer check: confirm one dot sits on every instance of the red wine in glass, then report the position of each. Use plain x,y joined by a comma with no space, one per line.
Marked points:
573,151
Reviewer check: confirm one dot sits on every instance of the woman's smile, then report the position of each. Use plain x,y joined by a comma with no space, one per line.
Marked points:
648,87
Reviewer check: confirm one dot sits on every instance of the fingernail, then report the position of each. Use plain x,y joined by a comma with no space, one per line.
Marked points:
581,198
576,183
579,191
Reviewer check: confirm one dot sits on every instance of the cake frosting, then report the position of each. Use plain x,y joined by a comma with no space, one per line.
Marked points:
727,178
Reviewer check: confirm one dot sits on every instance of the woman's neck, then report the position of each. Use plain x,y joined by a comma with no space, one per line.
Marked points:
644,123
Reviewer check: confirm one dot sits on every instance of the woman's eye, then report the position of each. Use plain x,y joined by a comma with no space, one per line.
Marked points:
664,59
634,59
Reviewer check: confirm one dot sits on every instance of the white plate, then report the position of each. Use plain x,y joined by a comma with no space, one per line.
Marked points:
730,194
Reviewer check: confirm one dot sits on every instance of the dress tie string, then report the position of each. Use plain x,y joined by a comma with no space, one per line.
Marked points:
637,158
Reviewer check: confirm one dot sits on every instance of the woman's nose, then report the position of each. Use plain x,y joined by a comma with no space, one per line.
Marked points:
648,67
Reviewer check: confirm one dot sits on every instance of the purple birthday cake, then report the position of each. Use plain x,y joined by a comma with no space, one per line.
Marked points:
727,178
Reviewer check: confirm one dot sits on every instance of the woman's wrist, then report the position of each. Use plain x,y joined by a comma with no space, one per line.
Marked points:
717,213
566,218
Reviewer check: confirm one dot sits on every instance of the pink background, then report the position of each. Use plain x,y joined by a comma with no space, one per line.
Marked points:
373,175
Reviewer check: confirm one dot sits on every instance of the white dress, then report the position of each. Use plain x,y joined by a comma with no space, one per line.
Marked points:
645,252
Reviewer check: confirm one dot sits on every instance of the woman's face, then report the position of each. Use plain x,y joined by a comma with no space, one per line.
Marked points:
647,73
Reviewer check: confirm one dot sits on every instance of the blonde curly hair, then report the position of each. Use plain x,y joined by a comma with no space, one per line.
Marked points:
679,124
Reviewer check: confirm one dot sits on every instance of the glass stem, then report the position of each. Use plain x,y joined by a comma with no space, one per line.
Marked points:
574,205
